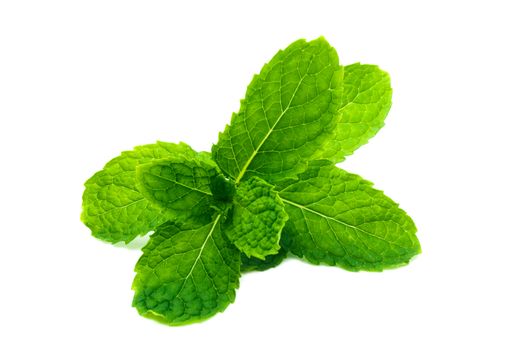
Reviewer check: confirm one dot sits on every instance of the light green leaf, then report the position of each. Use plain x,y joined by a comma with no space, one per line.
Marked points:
180,184
366,101
288,113
257,219
112,206
256,264
187,273
337,218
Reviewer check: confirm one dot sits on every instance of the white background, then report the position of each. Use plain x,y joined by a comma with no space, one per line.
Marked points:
81,81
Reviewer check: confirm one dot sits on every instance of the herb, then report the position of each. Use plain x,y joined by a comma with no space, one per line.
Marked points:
269,188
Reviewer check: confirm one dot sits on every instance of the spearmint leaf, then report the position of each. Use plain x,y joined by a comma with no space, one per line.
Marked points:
289,110
268,188
180,184
112,206
257,219
187,273
337,218
255,264
366,101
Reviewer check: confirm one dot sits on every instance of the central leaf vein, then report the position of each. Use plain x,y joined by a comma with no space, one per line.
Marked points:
255,151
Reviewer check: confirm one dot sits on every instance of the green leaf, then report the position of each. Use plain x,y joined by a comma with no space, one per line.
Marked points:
223,189
256,264
366,101
187,273
180,184
257,219
268,188
288,113
112,206
337,218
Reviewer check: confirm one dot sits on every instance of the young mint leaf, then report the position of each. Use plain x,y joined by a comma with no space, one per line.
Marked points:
180,184
112,206
223,189
187,273
288,113
257,219
256,264
337,218
366,101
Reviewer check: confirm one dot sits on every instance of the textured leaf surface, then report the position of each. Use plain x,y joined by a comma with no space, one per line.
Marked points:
256,264
337,218
366,101
181,184
289,110
187,273
257,219
112,206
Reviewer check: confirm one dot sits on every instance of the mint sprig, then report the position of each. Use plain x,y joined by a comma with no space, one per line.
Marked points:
270,187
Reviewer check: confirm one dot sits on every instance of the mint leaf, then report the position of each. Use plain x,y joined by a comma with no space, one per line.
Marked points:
256,264
288,113
223,189
268,188
180,184
187,273
337,218
257,219
112,206
366,101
